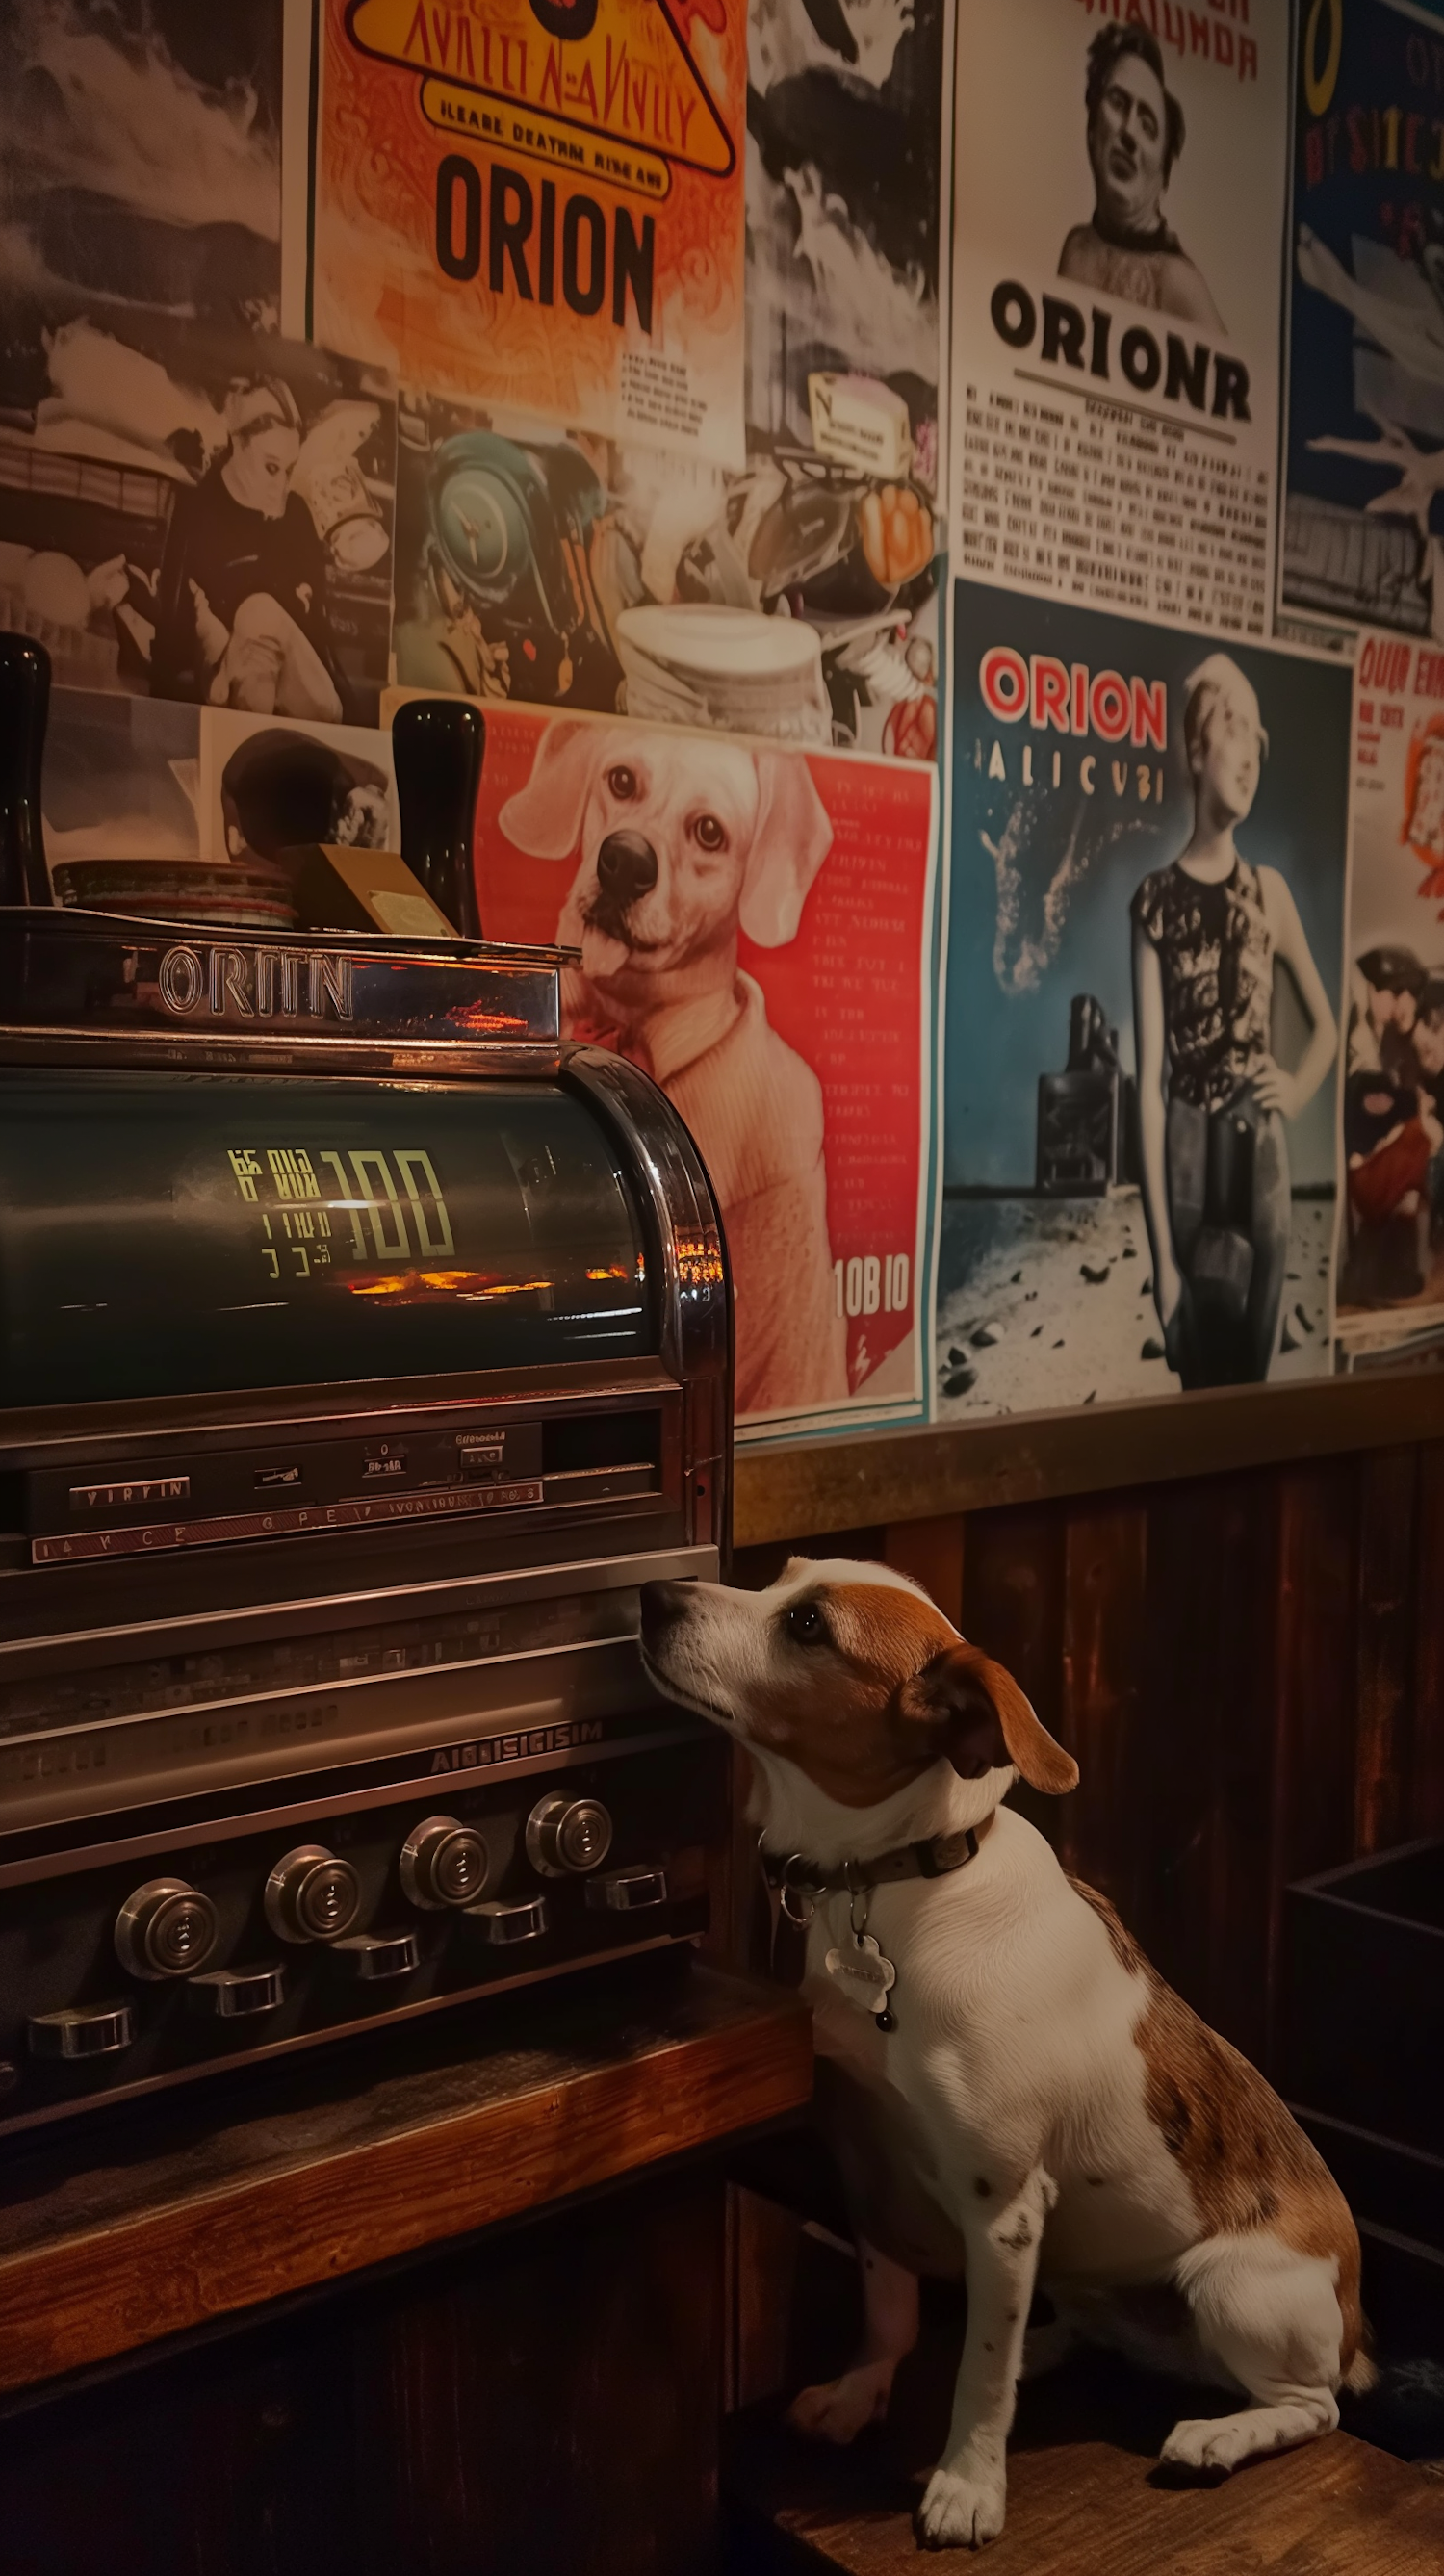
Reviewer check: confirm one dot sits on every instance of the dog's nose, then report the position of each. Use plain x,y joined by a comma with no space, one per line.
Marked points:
626,867
663,1604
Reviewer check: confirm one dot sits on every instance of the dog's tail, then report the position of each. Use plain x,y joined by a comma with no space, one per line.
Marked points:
1362,2373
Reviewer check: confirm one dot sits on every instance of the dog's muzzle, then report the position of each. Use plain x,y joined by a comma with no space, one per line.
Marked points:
626,870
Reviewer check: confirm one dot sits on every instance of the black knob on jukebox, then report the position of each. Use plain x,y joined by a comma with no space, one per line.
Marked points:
24,706
443,1863
382,1954
437,746
312,1896
165,1929
567,1836
507,1919
236,1993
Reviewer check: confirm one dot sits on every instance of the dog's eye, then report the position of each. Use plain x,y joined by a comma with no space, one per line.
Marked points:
806,1624
708,833
623,784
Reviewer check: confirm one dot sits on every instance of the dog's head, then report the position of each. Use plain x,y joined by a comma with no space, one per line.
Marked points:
849,1672
681,841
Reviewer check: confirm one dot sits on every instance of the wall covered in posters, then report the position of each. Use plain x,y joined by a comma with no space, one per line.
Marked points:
1055,995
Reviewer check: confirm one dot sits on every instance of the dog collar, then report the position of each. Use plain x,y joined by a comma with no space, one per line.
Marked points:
934,1857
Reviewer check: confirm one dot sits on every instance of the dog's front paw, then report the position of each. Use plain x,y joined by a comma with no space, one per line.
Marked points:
840,2409
961,2508
1208,2445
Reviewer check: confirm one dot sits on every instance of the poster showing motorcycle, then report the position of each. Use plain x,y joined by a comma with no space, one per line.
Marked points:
539,205
755,926
1391,1216
1363,536
794,600
1148,845
1119,201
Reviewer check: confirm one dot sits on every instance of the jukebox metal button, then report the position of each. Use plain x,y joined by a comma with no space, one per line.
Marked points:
166,1929
517,1919
383,1954
443,1863
567,1836
238,1991
82,2030
312,1896
627,1891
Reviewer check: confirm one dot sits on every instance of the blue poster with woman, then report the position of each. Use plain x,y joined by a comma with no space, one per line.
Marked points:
1364,450
1149,835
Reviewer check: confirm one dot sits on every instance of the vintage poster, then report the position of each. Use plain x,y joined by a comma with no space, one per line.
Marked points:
1119,207
756,931
1390,1277
575,571
1364,470
1148,850
198,512
538,203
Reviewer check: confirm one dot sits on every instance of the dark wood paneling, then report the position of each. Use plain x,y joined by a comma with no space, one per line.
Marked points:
1102,1828
1426,1804
1388,1488
558,2407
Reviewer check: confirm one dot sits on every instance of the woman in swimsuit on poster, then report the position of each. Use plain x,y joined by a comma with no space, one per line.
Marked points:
1208,933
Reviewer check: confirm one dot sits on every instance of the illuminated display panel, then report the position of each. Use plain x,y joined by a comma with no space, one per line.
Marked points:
174,1233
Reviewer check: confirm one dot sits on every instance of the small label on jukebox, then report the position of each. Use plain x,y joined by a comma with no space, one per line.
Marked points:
153,1535
124,1498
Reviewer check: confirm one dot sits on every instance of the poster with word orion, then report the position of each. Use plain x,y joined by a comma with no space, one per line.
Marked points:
1147,849
1118,210
541,205
1364,454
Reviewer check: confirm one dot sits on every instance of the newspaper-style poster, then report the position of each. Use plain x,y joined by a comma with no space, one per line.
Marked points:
1119,207
538,204
756,931
1148,847
578,572
1390,1278
1363,534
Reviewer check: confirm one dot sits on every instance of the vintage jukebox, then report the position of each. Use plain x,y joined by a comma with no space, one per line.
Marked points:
363,1347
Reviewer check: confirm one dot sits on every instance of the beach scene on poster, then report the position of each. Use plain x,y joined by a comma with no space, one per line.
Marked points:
548,210
1391,1215
1118,207
1363,537
1147,860
724,895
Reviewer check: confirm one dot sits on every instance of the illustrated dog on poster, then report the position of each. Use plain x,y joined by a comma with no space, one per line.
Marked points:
682,846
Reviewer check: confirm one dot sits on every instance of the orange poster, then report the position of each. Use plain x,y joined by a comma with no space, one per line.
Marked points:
534,202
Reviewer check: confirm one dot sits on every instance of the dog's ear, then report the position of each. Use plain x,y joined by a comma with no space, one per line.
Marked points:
972,1711
544,818
792,838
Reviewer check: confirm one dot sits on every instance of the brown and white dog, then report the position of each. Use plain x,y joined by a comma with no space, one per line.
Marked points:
1045,2111
681,844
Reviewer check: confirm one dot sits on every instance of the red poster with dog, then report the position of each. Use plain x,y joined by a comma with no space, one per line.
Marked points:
755,930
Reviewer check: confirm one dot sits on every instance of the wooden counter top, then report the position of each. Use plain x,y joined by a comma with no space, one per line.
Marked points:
803,1488
139,2229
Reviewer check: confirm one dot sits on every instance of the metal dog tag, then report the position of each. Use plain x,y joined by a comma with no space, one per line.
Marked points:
865,1976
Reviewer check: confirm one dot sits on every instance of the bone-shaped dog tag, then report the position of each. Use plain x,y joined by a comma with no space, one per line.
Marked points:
865,1976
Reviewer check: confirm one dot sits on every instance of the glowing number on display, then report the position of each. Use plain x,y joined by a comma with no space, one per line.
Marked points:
363,1161
408,1165
370,1191
869,1282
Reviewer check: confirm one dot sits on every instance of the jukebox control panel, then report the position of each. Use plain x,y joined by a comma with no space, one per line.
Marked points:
119,1977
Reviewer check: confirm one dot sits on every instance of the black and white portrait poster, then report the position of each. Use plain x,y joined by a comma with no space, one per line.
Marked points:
1148,851
1391,1216
1118,218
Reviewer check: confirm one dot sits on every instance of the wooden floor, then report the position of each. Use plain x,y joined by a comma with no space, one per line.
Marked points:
1084,2495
